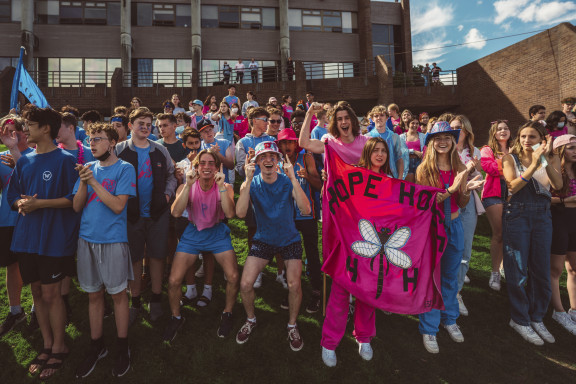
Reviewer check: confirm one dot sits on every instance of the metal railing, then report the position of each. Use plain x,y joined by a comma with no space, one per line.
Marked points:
318,70
416,79
72,78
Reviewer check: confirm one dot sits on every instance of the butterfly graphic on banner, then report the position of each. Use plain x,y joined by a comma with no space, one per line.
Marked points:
387,244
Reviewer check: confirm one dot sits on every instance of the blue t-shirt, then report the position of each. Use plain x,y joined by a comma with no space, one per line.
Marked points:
48,231
318,132
274,211
231,100
150,137
88,156
80,134
223,144
99,224
145,181
7,214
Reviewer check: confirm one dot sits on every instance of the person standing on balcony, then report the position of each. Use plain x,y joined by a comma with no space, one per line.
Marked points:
426,75
435,74
239,68
226,71
253,71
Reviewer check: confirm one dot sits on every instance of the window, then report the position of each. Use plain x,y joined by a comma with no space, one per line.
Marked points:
270,18
322,21
311,20
228,17
113,13
183,15
79,12
386,41
349,22
295,19
143,14
163,15
5,11
209,16
48,12
251,18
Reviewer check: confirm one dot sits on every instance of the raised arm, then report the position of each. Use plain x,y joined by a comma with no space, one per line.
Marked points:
311,145
297,192
244,200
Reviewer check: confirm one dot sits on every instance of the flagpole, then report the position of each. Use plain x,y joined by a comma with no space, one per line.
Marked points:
16,81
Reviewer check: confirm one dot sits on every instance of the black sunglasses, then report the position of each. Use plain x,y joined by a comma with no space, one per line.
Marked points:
275,121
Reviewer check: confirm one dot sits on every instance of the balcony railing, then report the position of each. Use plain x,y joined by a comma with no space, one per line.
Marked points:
415,79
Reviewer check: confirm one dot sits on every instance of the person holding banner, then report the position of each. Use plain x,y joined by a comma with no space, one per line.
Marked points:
375,158
530,170
272,196
442,168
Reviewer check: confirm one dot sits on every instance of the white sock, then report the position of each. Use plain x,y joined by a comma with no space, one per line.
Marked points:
253,320
207,291
191,292
292,325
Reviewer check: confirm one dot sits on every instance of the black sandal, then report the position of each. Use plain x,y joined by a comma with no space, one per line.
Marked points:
55,366
40,362
203,299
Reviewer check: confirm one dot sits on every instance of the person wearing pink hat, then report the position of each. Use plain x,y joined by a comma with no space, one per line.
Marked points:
530,169
272,196
564,233
309,179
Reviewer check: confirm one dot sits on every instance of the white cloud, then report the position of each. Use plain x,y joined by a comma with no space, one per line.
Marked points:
431,17
460,28
424,52
538,11
474,39
479,2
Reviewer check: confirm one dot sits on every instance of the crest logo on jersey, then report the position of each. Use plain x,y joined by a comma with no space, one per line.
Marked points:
47,175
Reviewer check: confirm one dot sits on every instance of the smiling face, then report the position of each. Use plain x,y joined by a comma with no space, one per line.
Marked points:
343,123
141,128
528,138
206,167
413,125
297,124
502,132
425,119
274,125
378,157
442,143
267,163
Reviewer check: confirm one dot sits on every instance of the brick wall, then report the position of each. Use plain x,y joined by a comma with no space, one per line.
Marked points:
538,70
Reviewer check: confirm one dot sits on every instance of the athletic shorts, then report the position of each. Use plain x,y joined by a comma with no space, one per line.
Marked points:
7,257
104,266
563,230
267,252
180,224
149,235
46,269
215,239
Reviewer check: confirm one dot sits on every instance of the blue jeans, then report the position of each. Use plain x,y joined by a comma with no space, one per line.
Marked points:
527,237
451,260
469,219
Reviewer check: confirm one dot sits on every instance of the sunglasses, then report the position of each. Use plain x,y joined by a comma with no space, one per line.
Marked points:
261,118
272,121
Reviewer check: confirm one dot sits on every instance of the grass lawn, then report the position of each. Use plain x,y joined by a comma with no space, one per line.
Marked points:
492,352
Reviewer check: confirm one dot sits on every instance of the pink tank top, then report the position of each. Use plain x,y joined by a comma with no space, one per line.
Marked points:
414,145
349,152
204,208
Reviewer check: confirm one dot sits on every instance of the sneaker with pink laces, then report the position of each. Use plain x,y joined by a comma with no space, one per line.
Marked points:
296,342
244,333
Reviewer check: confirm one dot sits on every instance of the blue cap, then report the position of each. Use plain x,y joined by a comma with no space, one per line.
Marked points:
198,102
441,127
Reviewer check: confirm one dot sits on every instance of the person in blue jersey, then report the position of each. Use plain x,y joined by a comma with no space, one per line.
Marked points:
120,123
322,123
13,137
101,194
66,140
148,213
309,180
399,154
232,98
272,196
46,230
89,117
219,146
80,133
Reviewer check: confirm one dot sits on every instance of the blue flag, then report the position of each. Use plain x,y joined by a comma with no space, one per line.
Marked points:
23,83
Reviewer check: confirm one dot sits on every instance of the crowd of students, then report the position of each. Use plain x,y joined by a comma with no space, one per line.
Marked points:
118,208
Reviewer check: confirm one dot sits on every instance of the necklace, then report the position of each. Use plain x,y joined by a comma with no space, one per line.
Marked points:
80,151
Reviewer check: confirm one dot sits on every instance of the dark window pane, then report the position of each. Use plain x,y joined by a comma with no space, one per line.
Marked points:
229,17
183,15
209,16
113,13
70,15
95,16
381,34
332,21
144,18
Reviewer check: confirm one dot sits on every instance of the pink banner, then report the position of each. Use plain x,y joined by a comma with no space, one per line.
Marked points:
382,238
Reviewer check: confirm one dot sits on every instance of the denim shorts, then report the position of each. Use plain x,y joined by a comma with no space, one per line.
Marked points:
489,201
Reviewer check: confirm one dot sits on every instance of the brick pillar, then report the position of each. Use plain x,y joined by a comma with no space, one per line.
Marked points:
116,89
406,35
300,78
385,83
365,29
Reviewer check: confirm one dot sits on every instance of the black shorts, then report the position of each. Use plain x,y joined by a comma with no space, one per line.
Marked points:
267,252
46,269
7,257
563,230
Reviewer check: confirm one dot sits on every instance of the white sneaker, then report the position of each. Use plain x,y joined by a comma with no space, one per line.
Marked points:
430,343
502,273
455,333
466,279
494,281
200,272
329,357
365,351
258,282
282,280
572,314
527,333
461,307
565,320
541,330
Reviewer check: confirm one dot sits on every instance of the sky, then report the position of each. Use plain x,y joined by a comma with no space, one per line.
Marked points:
438,23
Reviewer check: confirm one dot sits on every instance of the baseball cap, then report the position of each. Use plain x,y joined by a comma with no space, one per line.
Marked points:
204,123
563,140
198,102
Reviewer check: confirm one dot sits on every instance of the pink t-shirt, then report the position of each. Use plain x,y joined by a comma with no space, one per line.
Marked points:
349,152
204,208
415,145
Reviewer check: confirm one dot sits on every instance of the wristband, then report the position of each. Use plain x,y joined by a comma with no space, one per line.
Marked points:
448,191
222,190
522,177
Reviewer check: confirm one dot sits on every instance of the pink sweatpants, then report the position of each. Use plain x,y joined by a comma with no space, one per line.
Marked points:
337,313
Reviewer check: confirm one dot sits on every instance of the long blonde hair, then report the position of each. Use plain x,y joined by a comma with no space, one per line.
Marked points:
493,142
427,172
565,190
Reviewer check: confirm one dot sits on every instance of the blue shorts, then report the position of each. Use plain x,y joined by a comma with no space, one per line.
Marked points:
267,252
489,201
215,239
